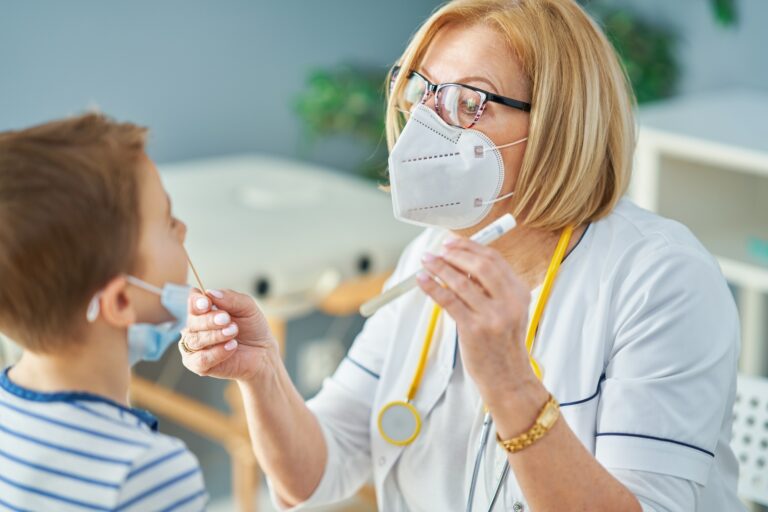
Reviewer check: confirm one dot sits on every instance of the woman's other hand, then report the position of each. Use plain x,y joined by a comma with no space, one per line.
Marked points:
489,303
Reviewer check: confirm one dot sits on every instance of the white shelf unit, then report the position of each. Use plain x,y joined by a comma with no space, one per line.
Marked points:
703,160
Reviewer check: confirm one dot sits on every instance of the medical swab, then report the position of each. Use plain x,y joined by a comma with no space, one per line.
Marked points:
485,236
197,276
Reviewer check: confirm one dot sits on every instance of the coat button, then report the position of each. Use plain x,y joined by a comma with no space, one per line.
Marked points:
382,461
518,507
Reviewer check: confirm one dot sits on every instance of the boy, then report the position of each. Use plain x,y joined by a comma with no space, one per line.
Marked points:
91,270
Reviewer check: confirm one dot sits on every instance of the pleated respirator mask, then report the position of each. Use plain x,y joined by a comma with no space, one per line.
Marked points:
442,175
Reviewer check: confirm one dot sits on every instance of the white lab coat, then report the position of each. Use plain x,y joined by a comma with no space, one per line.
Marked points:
639,344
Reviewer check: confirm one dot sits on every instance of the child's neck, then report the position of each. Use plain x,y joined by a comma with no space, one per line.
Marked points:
98,365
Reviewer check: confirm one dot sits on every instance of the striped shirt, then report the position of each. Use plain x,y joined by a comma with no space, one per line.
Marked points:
78,451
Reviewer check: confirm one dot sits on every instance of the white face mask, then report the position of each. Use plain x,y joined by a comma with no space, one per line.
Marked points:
442,175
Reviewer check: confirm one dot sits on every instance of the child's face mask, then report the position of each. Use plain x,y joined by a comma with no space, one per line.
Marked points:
148,342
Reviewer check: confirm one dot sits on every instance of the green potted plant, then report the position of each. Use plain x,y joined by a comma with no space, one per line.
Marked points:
346,100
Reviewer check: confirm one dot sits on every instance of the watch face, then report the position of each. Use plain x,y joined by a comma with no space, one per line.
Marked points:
548,416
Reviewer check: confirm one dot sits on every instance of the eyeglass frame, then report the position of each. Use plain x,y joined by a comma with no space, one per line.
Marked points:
485,96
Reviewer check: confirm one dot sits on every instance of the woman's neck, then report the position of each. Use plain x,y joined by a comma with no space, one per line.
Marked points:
529,251
98,365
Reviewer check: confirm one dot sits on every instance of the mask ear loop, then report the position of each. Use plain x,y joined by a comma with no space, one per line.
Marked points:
144,285
479,151
94,308
479,202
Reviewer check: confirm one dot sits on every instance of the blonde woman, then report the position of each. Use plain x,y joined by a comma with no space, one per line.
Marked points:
586,361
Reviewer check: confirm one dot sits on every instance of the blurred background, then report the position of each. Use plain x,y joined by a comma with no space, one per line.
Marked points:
270,115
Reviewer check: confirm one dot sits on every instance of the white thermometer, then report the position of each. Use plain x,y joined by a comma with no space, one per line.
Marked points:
485,236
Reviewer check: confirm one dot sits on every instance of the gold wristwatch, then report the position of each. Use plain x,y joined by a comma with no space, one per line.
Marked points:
544,423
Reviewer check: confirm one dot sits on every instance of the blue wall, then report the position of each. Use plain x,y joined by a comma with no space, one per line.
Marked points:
712,57
209,77
214,77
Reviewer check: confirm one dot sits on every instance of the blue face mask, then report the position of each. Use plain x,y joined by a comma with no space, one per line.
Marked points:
148,342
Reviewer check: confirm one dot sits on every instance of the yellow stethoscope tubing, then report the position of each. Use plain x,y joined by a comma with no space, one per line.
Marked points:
415,383
549,279
429,336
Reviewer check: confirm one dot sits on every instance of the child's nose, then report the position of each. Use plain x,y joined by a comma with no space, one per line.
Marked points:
182,231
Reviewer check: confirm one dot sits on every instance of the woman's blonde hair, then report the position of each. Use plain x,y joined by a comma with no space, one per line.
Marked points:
582,134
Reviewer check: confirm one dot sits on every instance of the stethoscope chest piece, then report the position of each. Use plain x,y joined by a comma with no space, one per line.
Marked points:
399,423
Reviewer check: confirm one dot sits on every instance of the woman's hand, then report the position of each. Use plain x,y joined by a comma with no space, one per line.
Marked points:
490,306
232,341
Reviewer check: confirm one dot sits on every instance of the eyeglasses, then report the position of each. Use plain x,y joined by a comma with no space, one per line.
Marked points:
459,105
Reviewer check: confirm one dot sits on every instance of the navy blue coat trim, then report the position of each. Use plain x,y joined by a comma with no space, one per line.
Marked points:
366,370
591,397
654,438
578,242
456,349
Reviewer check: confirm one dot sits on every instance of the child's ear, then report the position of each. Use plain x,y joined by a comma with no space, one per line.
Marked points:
116,307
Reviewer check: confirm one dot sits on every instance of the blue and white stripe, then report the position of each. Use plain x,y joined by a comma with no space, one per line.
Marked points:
75,452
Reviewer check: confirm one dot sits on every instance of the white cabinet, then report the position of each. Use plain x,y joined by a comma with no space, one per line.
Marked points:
703,160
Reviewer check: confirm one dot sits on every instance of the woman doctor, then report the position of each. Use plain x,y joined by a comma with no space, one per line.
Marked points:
585,361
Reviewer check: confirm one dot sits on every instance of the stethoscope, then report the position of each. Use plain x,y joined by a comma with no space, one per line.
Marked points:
399,421
487,421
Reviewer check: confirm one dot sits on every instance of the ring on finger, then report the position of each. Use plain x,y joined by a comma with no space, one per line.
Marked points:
185,347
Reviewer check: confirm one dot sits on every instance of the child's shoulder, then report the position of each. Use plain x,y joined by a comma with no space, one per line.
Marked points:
165,475
83,450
